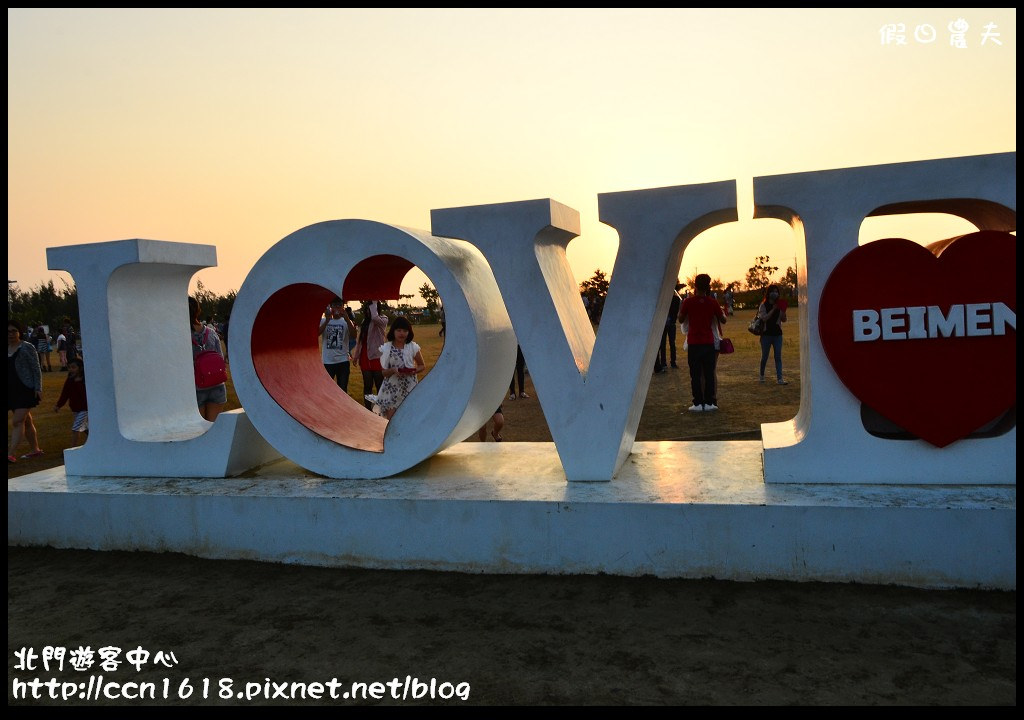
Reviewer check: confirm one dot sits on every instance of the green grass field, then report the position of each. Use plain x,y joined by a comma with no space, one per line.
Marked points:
744,403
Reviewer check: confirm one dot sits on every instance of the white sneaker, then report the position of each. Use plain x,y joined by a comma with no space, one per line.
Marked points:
709,408
696,408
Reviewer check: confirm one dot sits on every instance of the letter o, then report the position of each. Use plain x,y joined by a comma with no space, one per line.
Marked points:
291,400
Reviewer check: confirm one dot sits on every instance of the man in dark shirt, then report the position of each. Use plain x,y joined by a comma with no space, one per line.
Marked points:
669,334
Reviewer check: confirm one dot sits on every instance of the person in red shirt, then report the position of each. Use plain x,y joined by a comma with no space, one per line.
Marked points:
698,312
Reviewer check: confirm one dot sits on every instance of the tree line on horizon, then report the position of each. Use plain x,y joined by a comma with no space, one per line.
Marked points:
746,293
45,304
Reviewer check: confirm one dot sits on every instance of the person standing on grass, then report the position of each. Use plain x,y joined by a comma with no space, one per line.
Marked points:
366,354
519,373
70,340
24,391
211,400
699,312
336,328
401,361
730,300
42,342
773,311
62,350
669,334
73,393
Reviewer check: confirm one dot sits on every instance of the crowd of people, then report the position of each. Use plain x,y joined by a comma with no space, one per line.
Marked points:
28,357
701,317
384,351
67,344
24,391
389,358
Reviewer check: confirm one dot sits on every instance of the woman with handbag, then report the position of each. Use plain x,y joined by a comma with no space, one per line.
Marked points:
772,311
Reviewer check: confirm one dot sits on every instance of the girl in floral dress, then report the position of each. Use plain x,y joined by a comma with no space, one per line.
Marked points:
401,360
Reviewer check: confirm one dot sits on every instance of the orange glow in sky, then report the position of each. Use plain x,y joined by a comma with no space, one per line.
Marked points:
237,127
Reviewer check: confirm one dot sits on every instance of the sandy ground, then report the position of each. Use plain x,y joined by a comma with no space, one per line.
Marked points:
514,640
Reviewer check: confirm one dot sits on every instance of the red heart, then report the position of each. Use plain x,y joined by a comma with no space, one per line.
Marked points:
939,388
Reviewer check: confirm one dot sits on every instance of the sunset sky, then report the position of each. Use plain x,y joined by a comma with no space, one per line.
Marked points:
237,127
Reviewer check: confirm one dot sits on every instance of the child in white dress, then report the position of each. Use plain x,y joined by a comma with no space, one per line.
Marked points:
401,361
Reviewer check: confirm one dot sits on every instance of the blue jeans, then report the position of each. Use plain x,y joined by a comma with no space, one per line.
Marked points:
775,343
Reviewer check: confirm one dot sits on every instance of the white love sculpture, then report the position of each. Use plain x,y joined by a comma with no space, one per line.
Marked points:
482,260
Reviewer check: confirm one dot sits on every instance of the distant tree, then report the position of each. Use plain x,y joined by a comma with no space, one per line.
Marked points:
44,304
789,281
717,286
207,299
431,297
223,306
414,313
214,306
760,276
595,290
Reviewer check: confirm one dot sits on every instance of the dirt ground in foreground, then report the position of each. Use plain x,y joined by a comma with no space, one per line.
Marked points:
515,639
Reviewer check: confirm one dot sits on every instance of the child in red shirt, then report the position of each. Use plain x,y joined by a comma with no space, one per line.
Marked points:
73,393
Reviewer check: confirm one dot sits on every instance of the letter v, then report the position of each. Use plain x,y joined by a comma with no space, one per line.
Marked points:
592,388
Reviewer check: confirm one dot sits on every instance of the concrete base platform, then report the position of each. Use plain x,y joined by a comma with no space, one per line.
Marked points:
689,510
